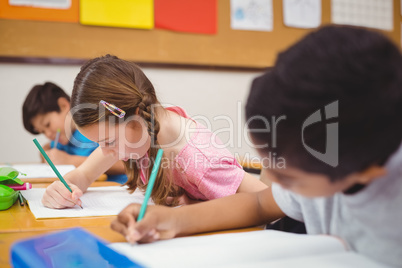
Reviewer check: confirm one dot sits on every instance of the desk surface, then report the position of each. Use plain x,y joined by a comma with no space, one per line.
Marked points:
20,219
19,223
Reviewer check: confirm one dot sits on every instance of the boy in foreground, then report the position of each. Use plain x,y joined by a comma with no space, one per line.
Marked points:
339,94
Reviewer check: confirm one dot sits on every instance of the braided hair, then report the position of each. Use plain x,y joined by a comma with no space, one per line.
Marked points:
123,84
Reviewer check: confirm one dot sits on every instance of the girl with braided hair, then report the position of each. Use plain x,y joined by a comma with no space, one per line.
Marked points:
115,105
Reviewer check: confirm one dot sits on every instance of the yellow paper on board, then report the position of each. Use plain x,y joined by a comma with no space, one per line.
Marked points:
118,13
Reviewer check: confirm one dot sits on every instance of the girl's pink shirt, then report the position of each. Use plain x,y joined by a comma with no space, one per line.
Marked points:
204,168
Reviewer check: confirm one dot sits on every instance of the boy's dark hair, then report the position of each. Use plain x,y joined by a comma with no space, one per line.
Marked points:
358,68
41,99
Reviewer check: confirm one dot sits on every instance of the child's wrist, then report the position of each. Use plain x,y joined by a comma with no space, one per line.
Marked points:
179,221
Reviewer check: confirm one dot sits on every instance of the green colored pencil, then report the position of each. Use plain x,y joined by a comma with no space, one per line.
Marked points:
21,198
151,183
52,165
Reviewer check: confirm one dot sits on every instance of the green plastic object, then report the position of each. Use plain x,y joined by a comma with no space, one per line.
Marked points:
8,175
8,196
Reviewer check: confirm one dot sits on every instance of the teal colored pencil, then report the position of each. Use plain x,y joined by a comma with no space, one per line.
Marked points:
52,165
150,184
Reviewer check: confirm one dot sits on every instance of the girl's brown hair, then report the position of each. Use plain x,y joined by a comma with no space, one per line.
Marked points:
123,84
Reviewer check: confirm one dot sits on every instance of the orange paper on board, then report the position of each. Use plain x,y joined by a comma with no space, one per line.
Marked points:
42,14
195,16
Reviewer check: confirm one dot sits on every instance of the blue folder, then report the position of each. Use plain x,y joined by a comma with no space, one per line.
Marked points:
71,248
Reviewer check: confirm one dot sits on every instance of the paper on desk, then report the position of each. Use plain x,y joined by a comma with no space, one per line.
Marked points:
265,248
41,170
97,201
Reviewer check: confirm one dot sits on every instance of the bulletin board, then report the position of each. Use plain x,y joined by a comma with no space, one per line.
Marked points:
227,48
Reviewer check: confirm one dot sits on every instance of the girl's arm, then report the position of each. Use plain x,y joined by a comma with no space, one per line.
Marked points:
232,212
250,184
60,157
58,196
92,168
116,168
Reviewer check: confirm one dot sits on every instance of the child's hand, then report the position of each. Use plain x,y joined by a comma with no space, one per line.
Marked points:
159,222
58,196
58,157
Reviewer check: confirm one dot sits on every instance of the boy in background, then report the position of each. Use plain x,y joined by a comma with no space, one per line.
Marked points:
340,89
46,110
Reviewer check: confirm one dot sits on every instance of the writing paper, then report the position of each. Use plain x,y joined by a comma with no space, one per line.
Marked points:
267,248
96,201
41,170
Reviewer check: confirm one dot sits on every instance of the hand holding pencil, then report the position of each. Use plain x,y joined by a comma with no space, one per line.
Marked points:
160,222
130,221
59,194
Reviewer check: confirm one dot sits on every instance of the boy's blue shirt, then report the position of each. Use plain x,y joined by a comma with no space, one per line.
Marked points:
80,145
77,145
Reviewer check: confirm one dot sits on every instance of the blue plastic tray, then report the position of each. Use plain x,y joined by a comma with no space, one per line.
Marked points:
72,248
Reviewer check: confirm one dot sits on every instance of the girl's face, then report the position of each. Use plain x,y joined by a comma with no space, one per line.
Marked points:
128,140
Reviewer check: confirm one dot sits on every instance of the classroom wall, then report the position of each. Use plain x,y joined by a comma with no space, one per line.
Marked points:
217,97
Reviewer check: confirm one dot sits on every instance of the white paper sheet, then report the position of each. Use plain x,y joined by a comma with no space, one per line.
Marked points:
97,201
248,249
56,4
267,248
41,170
367,13
302,13
252,15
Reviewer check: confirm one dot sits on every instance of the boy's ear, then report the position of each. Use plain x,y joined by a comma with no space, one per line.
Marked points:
370,174
63,104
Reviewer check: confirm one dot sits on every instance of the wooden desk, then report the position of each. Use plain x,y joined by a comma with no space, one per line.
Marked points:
19,223
253,166
20,219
